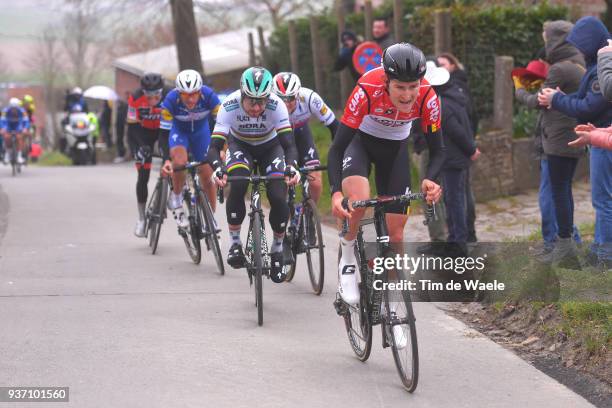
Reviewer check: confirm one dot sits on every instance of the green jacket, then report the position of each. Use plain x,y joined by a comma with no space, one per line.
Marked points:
93,119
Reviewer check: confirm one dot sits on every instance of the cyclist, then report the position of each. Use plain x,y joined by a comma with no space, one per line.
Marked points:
302,103
185,113
374,129
14,119
28,104
255,124
143,119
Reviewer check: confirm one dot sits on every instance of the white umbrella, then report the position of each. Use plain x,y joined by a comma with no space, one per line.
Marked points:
101,92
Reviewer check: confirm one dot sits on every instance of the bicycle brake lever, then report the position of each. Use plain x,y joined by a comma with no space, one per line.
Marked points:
220,195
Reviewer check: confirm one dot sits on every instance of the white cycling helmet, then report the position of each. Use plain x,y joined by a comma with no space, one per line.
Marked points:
188,81
76,91
14,102
286,85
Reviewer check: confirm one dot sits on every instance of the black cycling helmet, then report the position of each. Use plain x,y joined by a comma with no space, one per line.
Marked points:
404,62
151,81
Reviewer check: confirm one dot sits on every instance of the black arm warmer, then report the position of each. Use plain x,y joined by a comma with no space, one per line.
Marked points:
343,138
333,128
214,156
162,140
437,154
288,142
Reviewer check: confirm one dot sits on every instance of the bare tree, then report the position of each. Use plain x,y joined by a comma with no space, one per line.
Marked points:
82,25
277,10
186,35
45,59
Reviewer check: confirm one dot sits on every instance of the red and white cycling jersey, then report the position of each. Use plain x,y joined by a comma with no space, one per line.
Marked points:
370,110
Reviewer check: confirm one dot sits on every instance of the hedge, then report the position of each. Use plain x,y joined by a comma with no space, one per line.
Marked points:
478,34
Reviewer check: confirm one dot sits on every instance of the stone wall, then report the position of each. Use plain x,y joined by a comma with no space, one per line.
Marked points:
509,166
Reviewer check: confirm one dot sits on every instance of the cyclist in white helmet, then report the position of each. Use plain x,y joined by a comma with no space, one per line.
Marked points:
14,119
185,113
302,103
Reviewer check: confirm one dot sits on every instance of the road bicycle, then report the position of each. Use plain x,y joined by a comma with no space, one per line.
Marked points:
378,304
304,232
202,224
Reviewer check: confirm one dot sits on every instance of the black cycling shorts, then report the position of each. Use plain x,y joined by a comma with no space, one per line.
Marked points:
307,151
391,163
269,156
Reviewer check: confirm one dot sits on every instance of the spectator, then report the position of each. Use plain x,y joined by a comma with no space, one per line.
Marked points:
604,70
120,122
459,77
105,123
558,162
590,135
381,32
348,43
460,151
589,105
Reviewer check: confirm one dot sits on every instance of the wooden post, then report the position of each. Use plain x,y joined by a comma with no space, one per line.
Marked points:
398,20
252,60
442,31
262,46
293,47
345,75
316,60
368,20
503,95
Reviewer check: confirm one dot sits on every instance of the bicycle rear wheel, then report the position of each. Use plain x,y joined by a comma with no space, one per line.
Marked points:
211,237
357,320
313,237
402,333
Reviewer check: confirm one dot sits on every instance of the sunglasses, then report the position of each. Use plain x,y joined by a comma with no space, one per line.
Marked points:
156,92
288,98
257,101
186,94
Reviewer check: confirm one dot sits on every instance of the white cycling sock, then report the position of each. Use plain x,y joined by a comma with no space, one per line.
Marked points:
176,199
277,243
348,251
235,237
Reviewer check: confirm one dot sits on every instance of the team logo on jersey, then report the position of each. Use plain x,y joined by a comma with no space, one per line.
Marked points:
323,110
389,112
434,110
277,163
353,105
317,103
166,115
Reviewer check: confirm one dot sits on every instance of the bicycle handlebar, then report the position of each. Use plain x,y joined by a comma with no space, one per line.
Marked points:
309,169
189,165
430,211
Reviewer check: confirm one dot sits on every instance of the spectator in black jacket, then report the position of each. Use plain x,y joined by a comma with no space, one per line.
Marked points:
348,43
460,79
461,150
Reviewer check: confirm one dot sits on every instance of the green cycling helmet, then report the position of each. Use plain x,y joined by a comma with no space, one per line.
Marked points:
256,82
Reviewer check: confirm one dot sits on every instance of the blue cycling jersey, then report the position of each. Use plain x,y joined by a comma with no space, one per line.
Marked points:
14,119
176,116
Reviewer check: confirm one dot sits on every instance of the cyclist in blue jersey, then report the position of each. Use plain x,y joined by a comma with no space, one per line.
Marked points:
14,119
185,113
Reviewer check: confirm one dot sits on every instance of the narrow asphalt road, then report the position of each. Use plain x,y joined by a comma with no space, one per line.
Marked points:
83,304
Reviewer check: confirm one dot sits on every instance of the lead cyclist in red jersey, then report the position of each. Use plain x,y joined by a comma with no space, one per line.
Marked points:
374,130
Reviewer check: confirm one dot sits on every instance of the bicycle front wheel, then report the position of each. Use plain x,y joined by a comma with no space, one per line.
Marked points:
313,242
402,330
212,239
157,208
357,320
257,259
192,237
